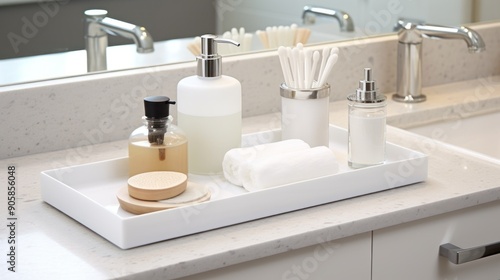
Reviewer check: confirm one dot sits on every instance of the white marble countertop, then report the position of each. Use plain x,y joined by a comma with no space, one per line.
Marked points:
51,245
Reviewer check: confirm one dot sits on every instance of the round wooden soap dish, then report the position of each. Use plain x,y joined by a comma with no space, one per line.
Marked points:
194,193
157,185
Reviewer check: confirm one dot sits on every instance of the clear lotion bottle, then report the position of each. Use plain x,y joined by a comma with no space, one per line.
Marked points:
209,110
367,124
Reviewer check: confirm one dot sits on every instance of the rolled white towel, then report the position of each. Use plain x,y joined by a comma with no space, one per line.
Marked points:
234,158
288,168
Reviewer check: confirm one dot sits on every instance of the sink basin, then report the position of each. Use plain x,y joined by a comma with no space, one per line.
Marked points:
479,134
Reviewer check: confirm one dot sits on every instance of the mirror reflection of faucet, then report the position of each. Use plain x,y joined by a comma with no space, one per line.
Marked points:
409,69
345,20
97,28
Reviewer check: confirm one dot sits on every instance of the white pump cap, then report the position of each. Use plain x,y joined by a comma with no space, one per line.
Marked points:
210,62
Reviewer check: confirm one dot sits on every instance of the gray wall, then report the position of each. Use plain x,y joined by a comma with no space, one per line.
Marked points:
55,26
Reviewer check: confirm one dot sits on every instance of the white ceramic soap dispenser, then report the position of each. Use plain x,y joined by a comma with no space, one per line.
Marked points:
209,110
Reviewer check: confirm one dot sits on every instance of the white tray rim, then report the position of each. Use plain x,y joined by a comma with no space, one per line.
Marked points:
123,231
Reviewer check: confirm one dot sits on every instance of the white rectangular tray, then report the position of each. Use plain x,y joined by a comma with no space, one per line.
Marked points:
87,194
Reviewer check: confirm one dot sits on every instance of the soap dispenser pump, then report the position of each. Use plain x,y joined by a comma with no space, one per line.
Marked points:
209,110
366,124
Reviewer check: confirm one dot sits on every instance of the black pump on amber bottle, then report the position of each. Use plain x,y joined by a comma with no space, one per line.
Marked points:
156,114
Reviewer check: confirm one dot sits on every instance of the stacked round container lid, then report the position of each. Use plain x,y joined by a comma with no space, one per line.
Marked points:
160,190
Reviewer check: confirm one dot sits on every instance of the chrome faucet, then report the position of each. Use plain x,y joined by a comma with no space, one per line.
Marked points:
410,37
345,21
97,28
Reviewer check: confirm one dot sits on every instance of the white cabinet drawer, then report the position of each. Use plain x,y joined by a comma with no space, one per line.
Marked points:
411,250
346,258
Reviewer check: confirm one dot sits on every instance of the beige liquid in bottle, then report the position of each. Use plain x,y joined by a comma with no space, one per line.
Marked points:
147,157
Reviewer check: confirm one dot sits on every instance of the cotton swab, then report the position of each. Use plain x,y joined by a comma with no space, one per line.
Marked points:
242,34
263,38
195,46
289,34
275,36
293,68
324,56
293,29
302,68
313,68
328,68
300,65
234,34
298,69
280,35
307,68
271,37
306,34
334,50
302,35
285,65
247,42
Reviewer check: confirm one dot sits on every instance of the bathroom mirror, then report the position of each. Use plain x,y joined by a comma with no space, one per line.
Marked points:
173,25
